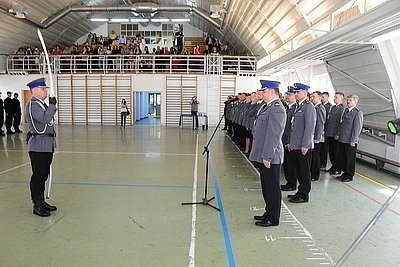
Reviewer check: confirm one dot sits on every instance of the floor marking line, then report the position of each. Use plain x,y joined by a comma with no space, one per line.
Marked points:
374,181
124,153
192,248
369,197
224,224
14,168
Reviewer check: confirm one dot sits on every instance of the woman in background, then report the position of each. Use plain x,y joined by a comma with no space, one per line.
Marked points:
194,108
124,112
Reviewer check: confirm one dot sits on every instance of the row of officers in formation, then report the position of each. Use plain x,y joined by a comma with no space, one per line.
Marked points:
11,108
296,130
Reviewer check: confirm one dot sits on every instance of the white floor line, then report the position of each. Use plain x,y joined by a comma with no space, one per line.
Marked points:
192,248
124,153
19,166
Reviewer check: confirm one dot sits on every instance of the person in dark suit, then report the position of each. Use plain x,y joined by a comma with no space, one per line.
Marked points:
267,150
41,143
1,116
332,130
324,145
319,134
301,142
349,137
8,108
17,113
288,170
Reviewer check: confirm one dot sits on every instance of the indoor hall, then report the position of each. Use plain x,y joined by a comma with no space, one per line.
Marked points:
119,194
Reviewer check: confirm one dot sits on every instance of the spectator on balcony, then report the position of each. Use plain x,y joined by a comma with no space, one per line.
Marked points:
89,39
197,50
101,40
209,42
36,54
225,50
113,36
57,50
122,39
179,39
19,57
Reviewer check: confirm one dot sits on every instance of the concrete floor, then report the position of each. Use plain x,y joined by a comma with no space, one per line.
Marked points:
119,194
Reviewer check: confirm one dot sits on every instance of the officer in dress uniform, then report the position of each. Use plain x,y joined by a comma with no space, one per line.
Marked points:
288,170
41,143
324,145
332,131
349,137
16,107
1,116
319,134
301,142
267,150
8,108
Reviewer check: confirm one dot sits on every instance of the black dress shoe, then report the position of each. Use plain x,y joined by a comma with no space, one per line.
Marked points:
298,199
346,180
49,207
266,223
261,218
40,210
286,187
334,172
314,179
292,196
341,177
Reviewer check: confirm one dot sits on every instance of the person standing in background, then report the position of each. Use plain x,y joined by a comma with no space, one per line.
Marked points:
324,145
1,116
17,113
41,143
124,112
194,109
8,110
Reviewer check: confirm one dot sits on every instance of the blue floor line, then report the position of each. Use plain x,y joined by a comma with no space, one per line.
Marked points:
224,224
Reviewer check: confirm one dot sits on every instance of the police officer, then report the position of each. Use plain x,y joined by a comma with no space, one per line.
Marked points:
349,136
288,168
332,130
319,134
324,145
41,143
301,142
267,150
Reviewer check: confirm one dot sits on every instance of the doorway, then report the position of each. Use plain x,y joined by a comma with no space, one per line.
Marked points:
147,108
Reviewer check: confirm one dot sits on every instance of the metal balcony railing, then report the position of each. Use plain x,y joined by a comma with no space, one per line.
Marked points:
189,64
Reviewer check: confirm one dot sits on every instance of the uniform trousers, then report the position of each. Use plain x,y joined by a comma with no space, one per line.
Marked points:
333,147
346,159
288,168
324,154
1,119
40,163
315,161
17,121
271,190
302,167
9,119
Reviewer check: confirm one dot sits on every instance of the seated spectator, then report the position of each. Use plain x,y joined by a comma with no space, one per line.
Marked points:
113,36
57,50
122,40
197,50
101,40
225,51
89,39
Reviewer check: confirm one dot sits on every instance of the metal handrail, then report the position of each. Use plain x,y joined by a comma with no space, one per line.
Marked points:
193,64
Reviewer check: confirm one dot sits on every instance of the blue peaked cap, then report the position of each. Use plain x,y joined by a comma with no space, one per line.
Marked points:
300,86
37,83
269,84
290,90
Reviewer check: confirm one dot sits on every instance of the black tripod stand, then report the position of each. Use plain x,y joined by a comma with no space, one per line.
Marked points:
207,150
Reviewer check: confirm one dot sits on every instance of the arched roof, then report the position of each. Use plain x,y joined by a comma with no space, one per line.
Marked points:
268,29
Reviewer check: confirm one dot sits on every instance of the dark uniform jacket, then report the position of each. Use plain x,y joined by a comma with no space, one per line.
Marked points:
268,131
333,120
303,126
351,126
289,115
320,123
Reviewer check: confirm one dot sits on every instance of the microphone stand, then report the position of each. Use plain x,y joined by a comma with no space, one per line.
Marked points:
205,201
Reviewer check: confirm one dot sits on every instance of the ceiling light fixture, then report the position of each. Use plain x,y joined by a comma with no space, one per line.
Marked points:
119,20
159,20
180,20
98,19
140,20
